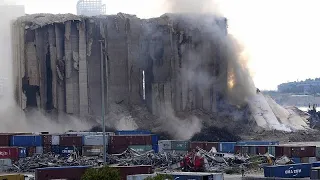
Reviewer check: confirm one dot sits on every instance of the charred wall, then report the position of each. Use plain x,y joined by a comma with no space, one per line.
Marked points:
59,60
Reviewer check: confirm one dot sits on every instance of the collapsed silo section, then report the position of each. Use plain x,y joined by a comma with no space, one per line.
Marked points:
50,63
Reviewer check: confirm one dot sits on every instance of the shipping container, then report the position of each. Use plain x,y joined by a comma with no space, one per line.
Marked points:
164,145
257,143
318,152
9,153
94,140
272,150
55,149
5,162
140,176
154,139
117,149
47,139
209,145
12,177
283,151
131,170
5,139
296,160
315,173
71,141
180,145
121,140
194,145
22,152
141,148
155,147
31,151
196,175
67,150
227,147
55,140
305,151
39,150
73,172
288,171
133,132
92,150
89,133
47,149
316,164
26,140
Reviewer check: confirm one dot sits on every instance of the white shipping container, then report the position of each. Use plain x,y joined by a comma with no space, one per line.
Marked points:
312,159
55,140
94,140
6,162
140,176
164,145
39,150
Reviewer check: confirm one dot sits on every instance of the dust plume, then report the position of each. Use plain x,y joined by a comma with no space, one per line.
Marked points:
202,20
12,117
233,65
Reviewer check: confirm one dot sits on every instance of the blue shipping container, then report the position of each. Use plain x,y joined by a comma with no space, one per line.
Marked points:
196,176
22,152
132,132
227,147
55,149
67,150
155,147
296,160
26,141
257,143
155,139
316,164
288,171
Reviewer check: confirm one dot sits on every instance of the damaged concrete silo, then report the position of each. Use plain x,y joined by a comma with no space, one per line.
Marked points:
58,59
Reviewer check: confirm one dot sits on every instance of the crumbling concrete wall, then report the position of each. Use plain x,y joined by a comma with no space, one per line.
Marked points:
63,62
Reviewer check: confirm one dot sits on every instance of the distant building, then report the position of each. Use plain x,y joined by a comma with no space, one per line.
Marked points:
91,7
309,86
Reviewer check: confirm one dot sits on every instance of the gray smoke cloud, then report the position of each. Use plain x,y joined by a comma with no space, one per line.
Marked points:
201,21
233,67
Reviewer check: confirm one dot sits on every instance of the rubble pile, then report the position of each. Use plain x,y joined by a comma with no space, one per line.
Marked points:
167,161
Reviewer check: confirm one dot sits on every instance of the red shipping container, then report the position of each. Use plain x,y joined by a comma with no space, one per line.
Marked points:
305,151
47,139
9,153
283,151
121,140
117,149
194,145
71,141
237,149
72,173
31,151
262,149
209,145
5,139
132,170
47,149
